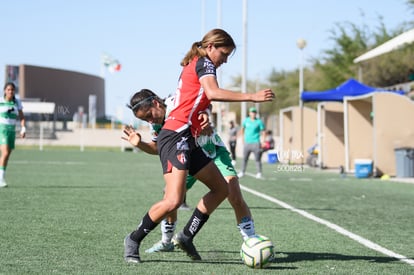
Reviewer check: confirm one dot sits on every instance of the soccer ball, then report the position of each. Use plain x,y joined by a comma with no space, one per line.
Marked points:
257,251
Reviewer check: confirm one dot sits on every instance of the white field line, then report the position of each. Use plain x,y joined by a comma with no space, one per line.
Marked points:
335,227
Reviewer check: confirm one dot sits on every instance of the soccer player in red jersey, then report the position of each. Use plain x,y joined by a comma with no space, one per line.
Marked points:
176,145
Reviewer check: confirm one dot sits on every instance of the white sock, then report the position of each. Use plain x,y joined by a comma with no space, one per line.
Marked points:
246,228
2,172
167,231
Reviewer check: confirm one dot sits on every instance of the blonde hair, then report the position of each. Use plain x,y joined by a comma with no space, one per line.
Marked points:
217,37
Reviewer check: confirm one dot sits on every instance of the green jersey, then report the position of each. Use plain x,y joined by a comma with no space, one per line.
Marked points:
252,130
9,113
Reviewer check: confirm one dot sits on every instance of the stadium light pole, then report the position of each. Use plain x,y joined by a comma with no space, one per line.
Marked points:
243,113
301,43
219,112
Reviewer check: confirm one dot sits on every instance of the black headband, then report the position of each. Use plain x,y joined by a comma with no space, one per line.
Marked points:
137,105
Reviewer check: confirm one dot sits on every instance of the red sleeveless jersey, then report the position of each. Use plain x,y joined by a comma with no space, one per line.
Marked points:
190,98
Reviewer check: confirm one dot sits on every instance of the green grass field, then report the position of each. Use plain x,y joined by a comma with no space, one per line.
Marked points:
67,212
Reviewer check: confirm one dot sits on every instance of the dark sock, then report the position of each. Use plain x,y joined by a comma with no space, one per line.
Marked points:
195,223
144,228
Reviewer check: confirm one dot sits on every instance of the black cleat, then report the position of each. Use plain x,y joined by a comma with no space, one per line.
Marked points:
187,245
131,254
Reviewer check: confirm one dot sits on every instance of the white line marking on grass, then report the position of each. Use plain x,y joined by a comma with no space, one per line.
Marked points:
335,227
301,179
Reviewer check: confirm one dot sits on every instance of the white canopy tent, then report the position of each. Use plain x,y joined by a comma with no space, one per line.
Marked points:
39,128
389,46
38,107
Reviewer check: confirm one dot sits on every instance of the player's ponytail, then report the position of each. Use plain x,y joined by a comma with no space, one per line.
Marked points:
215,37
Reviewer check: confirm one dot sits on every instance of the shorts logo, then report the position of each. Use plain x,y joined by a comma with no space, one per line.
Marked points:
183,145
182,158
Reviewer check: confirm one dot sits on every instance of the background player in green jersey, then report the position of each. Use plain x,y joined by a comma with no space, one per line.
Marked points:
10,113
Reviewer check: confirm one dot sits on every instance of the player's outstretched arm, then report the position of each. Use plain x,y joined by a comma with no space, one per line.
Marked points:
215,93
134,138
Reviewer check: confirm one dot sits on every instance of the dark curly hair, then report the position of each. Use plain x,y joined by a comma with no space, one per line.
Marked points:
143,99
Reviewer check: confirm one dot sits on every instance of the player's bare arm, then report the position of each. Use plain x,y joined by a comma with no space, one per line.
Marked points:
134,138
214,93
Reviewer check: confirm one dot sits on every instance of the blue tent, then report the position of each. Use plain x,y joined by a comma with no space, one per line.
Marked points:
350,87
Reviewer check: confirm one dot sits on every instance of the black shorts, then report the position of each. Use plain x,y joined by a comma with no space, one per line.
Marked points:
180,151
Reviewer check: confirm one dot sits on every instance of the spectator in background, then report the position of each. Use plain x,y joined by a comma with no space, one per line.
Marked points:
233,141
411,75
269,142
252,130
10,113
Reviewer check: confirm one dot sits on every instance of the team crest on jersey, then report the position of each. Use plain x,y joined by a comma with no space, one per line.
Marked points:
182,158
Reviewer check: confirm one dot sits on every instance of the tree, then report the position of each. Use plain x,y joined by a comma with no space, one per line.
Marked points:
335,65
410,4
390,69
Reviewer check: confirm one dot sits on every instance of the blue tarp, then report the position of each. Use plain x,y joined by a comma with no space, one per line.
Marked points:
350,87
